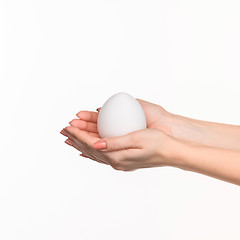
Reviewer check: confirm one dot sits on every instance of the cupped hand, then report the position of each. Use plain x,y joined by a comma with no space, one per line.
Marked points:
157,117
141,149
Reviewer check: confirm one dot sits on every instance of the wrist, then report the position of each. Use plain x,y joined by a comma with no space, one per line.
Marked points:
186,128
166,122
178,152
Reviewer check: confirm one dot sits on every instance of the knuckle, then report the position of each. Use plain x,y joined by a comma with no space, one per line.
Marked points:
84,124
114,144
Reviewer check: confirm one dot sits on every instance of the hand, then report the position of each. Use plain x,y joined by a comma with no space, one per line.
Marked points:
156,116
141,149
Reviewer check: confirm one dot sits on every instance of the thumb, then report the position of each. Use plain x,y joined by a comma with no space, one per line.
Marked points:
114,143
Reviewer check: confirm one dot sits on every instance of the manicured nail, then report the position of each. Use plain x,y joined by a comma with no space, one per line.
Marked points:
102,144
65,130
64,134
68,142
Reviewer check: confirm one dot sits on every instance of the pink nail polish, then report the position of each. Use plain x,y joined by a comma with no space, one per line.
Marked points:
62,132
102,144
68,142
65,130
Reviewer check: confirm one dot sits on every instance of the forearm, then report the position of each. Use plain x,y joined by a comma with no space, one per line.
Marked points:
206,133
219,163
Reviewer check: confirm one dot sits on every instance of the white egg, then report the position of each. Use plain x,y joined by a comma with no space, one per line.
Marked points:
120,114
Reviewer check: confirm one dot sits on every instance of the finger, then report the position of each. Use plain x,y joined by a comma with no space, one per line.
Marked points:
84,125
143,102
87,151
63,133
93,158
82,149
117,143
77,144
94,134
69,142
88,116
87,156
80,135
140,100
84,155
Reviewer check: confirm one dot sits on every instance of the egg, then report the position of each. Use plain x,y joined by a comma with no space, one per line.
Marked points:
120,115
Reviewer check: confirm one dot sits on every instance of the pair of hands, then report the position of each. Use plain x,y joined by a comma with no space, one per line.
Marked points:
150,147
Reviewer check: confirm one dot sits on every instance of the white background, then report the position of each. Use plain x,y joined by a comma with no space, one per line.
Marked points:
60,57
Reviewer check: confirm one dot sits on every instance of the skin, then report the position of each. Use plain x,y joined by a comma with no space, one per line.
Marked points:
208,148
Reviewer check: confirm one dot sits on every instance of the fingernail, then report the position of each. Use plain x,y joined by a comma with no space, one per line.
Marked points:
68,142
102,144
70,122
62,132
